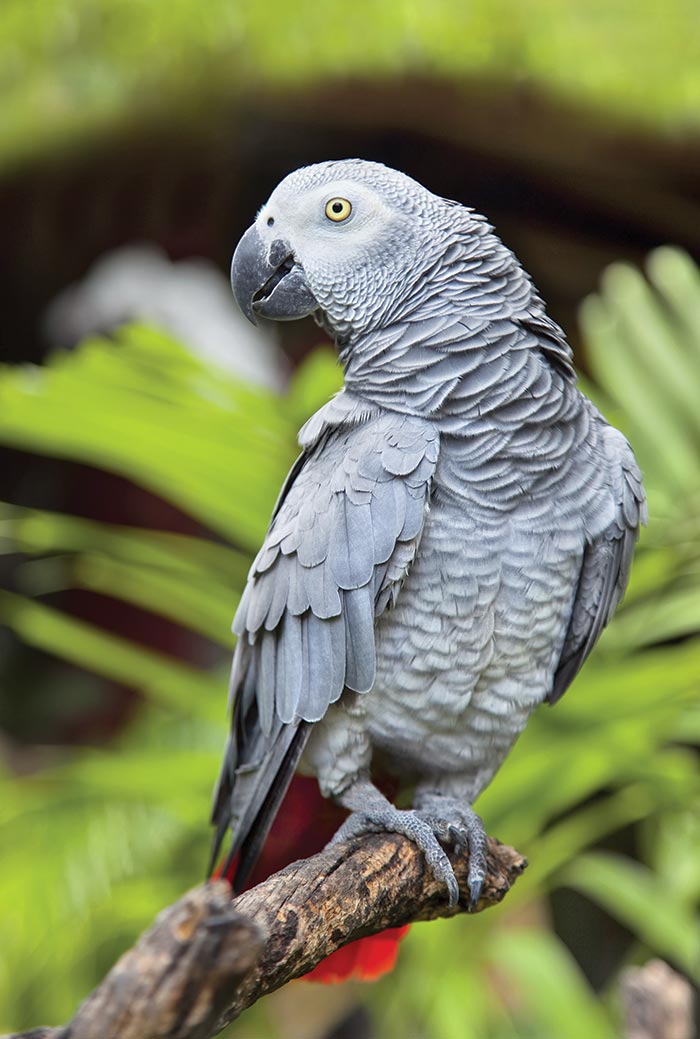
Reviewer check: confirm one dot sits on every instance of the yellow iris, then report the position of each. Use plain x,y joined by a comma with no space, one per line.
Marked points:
338,209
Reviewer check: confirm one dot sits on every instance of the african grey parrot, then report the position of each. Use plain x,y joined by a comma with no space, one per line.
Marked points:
451,542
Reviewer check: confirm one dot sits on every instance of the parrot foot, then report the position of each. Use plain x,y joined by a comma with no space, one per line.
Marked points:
387,819
456,823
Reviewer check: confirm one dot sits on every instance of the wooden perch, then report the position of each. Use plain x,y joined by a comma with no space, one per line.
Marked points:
207,957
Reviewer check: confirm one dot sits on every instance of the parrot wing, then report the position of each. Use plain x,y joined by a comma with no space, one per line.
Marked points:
343,535
605,565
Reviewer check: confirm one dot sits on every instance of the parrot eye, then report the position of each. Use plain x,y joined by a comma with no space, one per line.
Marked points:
338,209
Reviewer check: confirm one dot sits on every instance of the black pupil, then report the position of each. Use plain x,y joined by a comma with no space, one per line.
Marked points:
337,207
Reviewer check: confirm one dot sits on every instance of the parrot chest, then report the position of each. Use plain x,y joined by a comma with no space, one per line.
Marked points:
473,642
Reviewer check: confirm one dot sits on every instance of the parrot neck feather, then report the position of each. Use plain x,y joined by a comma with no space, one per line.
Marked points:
462,342
445,370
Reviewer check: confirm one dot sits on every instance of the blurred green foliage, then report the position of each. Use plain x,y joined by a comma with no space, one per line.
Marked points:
74,66
95,844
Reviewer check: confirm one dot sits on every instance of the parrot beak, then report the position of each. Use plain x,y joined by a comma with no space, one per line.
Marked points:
267,281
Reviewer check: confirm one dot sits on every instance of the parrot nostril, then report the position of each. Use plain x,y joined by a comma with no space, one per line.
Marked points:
270,221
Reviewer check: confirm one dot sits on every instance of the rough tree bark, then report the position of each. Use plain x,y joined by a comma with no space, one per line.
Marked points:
208,957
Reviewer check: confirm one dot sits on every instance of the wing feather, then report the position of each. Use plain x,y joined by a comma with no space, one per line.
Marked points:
343,534
360,661
605,565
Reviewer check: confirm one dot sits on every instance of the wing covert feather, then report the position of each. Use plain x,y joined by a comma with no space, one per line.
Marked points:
358,497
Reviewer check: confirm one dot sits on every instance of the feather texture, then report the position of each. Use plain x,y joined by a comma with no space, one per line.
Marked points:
342,537
319,558
605,566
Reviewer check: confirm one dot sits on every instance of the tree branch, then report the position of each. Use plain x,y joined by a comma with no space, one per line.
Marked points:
207,958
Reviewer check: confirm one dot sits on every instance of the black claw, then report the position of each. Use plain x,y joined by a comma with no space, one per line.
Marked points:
475,889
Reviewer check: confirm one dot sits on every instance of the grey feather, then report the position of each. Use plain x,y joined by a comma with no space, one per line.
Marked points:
351,550
262,798
285,698
278,593
393,452
604,569
324,682
266,682
360,660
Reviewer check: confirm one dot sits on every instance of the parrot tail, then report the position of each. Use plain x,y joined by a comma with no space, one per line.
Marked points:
363,960
305,823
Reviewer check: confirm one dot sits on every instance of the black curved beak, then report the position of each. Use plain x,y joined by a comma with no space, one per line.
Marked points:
267,281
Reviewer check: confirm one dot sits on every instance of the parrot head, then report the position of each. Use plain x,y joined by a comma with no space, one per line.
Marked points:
345,240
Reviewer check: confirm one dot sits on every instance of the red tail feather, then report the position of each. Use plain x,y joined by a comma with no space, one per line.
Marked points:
304,825
364,960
